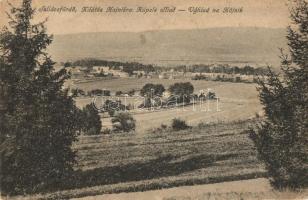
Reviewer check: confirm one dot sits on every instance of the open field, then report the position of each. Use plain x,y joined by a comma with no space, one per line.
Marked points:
238,101
138,162
127,84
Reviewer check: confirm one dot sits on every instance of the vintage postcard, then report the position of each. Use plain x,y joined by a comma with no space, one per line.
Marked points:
153,100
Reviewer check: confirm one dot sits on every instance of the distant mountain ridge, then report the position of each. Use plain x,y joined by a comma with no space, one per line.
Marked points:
235,46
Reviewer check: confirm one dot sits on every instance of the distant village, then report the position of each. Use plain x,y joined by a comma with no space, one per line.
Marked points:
79,72
109,69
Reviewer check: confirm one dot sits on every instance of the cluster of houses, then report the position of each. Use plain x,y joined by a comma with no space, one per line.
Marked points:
79,72
208,76
108,71
224,77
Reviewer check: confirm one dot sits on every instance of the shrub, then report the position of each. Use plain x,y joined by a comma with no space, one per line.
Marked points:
150,90
95,92
183,91
131,92
151,103
211,95
78,92
178,124
106,131
118,93
106,92
91,120
114,106
163,126
99,92
123,121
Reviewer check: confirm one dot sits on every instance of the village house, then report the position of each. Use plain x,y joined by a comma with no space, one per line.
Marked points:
76,72
118,73
139,73
163,76
247,78
99,69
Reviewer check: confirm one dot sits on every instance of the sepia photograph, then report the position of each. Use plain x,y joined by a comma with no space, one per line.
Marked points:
153,100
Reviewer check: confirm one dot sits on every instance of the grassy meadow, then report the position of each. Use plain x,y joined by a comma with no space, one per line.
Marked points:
238,101
207,153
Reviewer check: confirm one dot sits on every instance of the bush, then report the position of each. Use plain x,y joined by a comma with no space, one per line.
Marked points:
182,91
106,131
95,92
99,92
118,93
160,129
123,121
211,95
178,124
92,124
114,106
131,92
78,92
150,90
163,126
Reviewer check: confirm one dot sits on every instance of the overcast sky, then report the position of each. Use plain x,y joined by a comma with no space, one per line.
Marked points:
261,13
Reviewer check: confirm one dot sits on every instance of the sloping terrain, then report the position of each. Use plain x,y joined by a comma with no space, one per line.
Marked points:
162,159
238,46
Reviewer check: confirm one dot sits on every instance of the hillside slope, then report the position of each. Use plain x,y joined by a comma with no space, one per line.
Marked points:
173,47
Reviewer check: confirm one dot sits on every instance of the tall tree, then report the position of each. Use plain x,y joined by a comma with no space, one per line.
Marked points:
282,138
92,124
151,90
39,121
182,91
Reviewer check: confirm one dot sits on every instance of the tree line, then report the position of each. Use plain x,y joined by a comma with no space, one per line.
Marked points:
129,67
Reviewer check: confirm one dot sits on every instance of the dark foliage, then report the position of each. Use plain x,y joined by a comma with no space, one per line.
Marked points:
39,120
76,92
114,106
91,120
151,90
131,92
282,138
99,92
128,67
182,91
227,69
118,93
123,121
178,124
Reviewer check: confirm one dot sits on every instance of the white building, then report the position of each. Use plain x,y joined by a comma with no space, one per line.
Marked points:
99,69
139,72
166,94
119,73
163,76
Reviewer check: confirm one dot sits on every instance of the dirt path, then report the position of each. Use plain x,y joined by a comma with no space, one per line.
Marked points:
235,190
246,186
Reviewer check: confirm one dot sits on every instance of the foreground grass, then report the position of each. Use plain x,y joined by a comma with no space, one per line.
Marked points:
162,159
244,196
